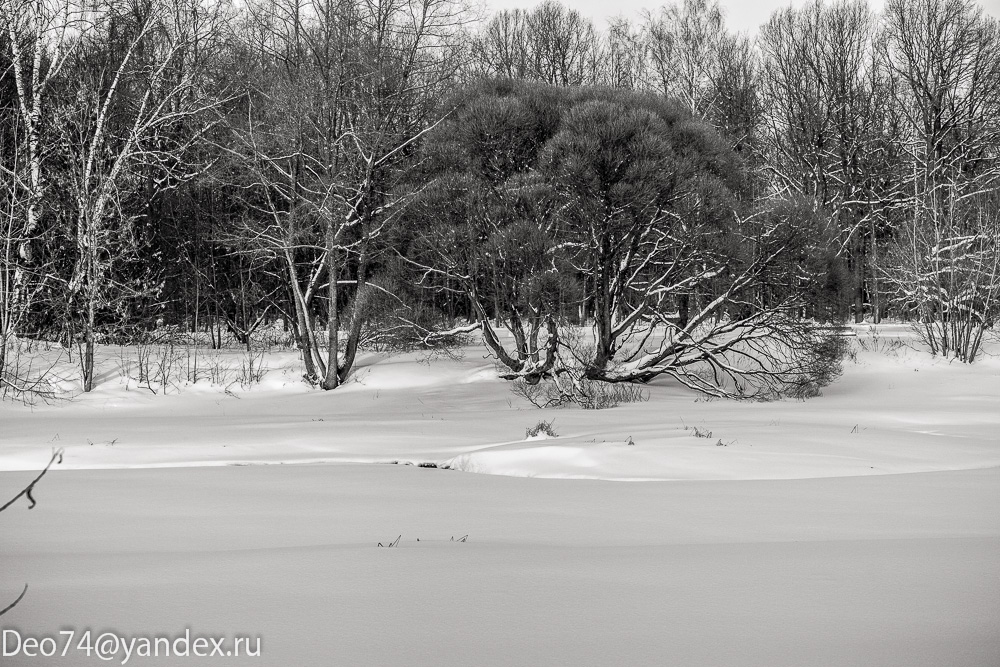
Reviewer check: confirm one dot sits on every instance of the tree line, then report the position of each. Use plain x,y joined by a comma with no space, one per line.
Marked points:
399,172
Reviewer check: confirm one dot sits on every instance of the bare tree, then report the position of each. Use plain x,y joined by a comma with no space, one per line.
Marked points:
562,42
550,43
738,111
14,303
946,270
348,89
120,125
624,56
40,36
684,43
19,292
945,55
501,48
36,44
829,126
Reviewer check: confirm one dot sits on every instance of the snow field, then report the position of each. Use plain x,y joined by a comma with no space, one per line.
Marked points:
788,537
895,410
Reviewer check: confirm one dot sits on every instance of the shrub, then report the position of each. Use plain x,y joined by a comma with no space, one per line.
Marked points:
588,394
542,427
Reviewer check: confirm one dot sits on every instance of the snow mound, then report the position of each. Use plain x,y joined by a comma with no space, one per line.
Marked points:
675,456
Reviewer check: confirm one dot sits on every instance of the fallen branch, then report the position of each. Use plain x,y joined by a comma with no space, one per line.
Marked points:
26,492
14,603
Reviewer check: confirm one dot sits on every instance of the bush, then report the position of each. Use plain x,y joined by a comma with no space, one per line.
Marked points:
824,364
542,427
588,394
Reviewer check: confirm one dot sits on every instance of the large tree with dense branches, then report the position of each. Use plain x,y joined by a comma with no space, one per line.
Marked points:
630,206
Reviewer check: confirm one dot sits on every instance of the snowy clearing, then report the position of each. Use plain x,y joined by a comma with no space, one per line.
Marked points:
787,538
894,570
897,410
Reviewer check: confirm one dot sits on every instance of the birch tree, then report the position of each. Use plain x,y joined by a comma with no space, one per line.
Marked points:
117,126
692,57
35,45
684,43
40,38
624,55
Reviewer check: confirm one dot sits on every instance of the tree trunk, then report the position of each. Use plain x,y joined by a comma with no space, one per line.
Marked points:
876,293
3,354
858,265
357,321
87,362
604,350
332,379
306,340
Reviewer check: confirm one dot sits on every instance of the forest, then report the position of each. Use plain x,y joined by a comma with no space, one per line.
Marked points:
404,332
399,174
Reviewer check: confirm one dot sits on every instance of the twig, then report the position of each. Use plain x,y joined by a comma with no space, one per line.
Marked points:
26,491
14,603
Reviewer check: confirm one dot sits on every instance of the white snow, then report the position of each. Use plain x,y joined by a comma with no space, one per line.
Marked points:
896,412
879,571
788,537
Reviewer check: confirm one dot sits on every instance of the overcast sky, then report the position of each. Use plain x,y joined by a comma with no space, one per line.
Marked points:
741,15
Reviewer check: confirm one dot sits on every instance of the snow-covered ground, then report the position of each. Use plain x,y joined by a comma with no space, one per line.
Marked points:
788,537
896,410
